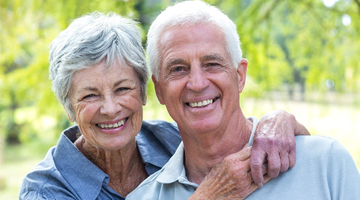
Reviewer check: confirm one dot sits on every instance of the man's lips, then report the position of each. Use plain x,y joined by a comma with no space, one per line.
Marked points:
112,126
202,103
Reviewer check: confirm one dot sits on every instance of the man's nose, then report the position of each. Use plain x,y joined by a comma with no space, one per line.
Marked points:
198,80
110,106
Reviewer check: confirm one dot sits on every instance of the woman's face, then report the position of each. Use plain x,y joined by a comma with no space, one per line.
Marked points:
107,105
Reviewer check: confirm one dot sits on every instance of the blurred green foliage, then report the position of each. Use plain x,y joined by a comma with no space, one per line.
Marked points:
287,43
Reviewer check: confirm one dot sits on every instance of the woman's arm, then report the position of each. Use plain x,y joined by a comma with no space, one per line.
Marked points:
273,151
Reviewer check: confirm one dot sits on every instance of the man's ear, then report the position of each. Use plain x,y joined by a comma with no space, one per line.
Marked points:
157,90
241,70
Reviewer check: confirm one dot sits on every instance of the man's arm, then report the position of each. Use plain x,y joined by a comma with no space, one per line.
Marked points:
274,144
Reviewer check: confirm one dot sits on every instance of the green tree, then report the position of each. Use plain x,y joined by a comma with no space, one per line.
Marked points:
293,42
288,43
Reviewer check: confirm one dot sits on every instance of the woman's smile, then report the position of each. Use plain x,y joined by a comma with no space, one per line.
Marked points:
112,125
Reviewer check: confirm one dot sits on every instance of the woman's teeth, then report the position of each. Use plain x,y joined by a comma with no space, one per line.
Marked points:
201,103
110,126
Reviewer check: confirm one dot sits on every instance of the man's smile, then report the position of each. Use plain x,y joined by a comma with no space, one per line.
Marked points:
201,103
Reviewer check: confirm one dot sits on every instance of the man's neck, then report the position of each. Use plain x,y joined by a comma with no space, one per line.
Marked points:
202,154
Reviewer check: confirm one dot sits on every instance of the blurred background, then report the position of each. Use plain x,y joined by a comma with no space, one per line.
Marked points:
303,58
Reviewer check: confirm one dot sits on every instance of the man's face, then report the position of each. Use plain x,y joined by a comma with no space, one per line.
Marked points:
198,83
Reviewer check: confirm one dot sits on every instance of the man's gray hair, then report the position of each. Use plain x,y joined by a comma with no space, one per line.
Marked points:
86,42
186,14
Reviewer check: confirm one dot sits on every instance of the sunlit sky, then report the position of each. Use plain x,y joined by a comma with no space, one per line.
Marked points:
329,3
346,19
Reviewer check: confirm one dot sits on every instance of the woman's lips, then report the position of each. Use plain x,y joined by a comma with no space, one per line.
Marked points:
112,126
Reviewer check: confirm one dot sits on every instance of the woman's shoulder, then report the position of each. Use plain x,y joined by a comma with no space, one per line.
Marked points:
157,142
166,133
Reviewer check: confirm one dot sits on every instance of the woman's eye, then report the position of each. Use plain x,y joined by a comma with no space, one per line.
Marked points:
89,96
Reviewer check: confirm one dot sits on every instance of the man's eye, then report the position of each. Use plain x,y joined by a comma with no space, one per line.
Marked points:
177,69
212,64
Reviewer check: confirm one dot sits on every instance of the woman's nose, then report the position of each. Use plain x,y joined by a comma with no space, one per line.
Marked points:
110,106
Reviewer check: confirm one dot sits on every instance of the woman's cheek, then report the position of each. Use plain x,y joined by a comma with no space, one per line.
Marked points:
83,111
137,108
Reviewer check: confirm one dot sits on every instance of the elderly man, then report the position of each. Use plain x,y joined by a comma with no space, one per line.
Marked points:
198,72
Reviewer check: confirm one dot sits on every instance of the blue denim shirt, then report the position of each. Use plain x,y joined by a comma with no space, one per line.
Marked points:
65,173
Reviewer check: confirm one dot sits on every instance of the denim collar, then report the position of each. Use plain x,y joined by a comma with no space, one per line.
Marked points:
76,169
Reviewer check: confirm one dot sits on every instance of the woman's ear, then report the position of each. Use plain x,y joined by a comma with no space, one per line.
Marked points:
145,100
68,115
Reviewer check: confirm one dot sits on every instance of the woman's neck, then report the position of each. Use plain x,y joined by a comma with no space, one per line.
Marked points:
124,166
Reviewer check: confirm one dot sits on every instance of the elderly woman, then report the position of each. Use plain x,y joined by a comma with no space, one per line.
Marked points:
99,75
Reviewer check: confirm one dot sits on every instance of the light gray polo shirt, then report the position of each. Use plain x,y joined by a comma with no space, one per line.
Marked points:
324,169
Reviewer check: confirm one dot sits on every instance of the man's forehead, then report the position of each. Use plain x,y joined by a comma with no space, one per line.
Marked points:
171,34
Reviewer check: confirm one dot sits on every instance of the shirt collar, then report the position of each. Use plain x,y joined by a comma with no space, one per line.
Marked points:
255,123
78,171
174,170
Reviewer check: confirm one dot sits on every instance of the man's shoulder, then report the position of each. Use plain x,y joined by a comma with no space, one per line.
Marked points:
324,168
319,144
324,154
319,147
314,138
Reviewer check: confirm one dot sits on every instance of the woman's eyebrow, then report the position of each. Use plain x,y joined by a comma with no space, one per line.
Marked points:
88,88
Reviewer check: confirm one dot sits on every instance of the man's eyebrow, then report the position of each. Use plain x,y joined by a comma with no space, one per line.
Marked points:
213,57
175,61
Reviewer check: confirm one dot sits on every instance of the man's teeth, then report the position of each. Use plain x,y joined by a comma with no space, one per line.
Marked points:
110,126
201,103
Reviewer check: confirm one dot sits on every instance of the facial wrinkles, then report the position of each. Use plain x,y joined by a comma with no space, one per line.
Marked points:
136,120
189,55
171,62
79,107
129,98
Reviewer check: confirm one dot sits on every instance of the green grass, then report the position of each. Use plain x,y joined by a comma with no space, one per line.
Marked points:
18,160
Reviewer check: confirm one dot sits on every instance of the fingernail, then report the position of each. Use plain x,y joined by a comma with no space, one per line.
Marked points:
260,185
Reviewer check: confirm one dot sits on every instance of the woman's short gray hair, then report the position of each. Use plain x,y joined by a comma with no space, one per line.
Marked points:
86,42
188,13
